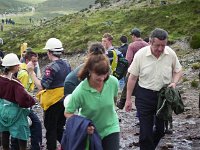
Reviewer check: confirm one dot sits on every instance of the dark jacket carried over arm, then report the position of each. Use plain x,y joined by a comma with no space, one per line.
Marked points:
169,100
75,135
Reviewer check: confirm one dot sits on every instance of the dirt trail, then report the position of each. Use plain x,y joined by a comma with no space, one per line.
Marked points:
186,128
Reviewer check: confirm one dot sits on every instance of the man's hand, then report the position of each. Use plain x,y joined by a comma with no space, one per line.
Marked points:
30,67
173,85
128,105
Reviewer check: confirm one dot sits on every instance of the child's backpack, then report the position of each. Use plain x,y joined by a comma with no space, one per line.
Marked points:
121,66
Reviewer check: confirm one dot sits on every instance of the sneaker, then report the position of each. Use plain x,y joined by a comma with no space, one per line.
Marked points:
120,104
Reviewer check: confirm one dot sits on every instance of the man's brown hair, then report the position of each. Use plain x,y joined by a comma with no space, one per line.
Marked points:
108,36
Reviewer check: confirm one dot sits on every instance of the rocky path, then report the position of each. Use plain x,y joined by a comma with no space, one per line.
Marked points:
186,126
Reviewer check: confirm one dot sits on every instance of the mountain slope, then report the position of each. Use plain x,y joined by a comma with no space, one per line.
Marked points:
15,6
64,5
75,30
10,6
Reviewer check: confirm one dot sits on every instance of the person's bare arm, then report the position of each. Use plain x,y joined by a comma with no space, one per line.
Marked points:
68,115
30,69
175,79
130,86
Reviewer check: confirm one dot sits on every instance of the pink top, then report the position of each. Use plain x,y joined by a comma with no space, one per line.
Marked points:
133,48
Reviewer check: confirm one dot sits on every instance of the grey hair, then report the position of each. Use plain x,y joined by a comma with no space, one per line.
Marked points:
159,33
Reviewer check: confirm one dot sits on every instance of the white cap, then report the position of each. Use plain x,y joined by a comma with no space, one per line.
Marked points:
10,60
54,44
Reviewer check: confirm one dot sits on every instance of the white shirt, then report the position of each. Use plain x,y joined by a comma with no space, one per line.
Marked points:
154,72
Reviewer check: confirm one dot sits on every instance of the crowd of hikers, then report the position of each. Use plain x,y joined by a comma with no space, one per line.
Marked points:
6,21
80,104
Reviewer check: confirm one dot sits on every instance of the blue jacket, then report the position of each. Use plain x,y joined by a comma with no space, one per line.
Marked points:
75,135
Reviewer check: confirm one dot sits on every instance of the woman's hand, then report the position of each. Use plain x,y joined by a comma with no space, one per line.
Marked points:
90,129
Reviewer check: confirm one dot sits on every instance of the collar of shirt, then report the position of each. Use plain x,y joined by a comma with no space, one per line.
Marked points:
23,66
87,86
111,48
138,39
149,53
124,44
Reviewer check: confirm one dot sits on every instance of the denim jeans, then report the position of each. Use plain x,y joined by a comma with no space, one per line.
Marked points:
122,83
36,134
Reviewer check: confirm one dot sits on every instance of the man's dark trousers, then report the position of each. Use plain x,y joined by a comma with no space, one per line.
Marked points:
146,104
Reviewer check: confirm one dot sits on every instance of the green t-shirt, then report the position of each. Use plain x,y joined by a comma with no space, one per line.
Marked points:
96,106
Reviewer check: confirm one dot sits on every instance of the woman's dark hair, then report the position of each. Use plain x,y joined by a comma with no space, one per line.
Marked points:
7,69
96,48
97,63
56,54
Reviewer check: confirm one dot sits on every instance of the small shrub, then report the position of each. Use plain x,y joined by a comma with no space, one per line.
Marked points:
194,42
195,83
195,66
184,79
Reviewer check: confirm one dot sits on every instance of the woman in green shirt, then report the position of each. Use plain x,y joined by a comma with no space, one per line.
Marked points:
95,98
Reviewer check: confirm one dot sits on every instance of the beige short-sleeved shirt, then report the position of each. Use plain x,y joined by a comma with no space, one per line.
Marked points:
154,73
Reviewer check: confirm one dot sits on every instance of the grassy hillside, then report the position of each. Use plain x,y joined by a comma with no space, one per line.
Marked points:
75,30
11,6
64,5
44,8
32,1
52,8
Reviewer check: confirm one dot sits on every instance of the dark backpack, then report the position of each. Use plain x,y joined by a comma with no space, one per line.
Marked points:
122,67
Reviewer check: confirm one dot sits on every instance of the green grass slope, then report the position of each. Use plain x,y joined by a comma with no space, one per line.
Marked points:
44,8
75,30
10,6
64,5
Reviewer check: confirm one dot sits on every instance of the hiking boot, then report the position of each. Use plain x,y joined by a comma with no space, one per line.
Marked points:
121,103
168,131
136,144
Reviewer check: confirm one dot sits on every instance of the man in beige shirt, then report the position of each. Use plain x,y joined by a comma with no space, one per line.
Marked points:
155,66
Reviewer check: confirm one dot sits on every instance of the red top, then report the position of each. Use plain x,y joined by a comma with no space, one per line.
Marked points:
133,48
13,91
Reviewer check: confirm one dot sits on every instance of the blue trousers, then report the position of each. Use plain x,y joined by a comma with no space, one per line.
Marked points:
151,127
36,134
